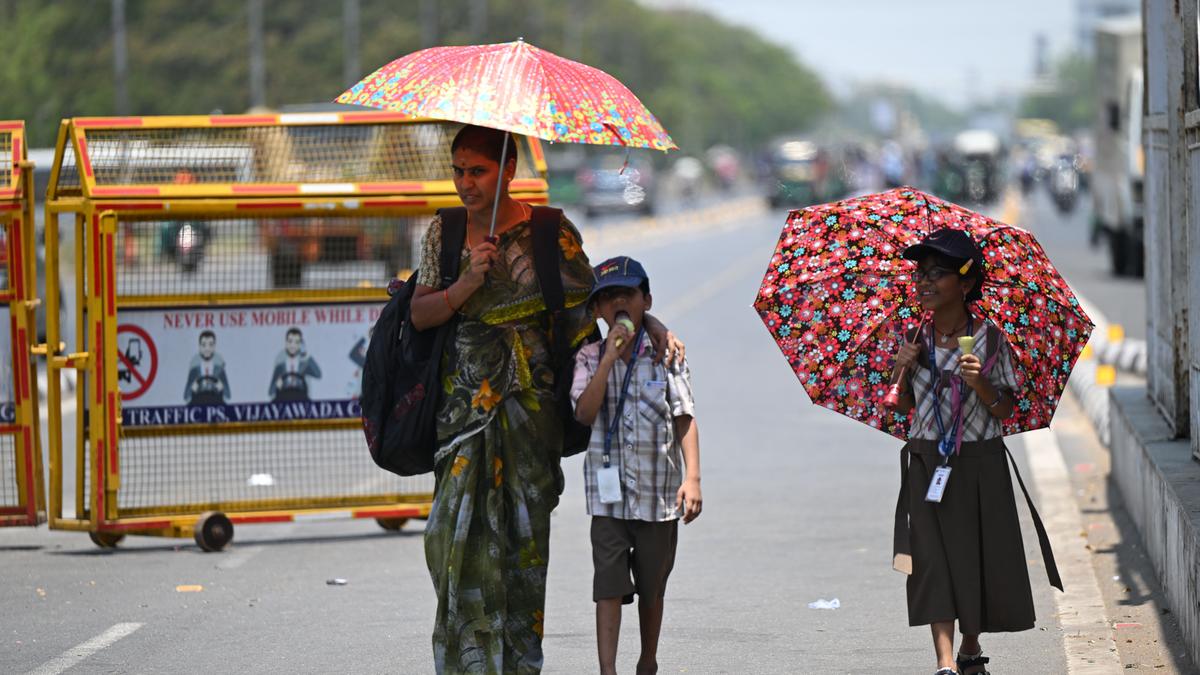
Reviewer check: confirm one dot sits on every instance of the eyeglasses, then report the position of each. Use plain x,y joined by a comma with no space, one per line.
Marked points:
933,274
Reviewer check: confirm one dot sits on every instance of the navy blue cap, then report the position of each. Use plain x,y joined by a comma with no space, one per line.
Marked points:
619,271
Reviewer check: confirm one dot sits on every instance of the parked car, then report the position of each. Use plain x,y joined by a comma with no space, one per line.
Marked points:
608,184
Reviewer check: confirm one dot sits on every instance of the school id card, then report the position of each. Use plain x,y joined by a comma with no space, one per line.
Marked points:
937,486
608,484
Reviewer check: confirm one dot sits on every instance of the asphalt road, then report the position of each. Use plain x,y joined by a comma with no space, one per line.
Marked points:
798,507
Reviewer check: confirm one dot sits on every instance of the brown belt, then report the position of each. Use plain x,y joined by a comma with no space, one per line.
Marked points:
901,549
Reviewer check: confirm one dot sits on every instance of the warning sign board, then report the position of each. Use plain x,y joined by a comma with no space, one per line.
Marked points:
137,361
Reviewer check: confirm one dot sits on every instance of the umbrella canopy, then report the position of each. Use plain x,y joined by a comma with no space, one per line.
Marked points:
838,299
514,87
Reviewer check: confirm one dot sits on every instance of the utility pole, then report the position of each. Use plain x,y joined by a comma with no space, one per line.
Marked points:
120,59
479,20
258,66
429,23
351,72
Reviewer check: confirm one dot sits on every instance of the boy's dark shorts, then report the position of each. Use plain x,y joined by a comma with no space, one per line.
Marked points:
620,547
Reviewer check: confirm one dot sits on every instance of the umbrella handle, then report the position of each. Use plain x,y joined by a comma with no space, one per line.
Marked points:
499,182
892,400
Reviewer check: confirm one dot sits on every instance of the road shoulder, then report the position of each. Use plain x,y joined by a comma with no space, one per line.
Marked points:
1106,547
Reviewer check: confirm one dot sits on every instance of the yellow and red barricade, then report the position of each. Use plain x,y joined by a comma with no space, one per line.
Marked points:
228,270
22,499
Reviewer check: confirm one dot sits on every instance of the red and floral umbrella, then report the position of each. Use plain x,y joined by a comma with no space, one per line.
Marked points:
838,299
514,87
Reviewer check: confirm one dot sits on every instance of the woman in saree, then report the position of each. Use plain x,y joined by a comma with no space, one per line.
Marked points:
499,428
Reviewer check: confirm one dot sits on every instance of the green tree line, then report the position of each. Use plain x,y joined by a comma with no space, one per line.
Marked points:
707,81
1069,99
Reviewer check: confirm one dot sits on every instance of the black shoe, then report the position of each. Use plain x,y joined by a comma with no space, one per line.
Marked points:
973,666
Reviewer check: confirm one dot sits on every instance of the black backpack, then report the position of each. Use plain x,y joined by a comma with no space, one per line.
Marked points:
400,384
546,252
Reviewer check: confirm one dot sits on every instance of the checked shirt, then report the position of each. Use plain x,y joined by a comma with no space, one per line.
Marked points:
978,423
644,448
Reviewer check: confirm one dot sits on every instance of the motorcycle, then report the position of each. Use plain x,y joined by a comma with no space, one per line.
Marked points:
1028,176
1064,185
185,243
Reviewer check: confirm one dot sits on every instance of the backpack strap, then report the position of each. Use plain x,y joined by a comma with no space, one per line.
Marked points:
454,233
546,252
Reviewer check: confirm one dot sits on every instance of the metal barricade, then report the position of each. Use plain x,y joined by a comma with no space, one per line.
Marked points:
22,498
228,272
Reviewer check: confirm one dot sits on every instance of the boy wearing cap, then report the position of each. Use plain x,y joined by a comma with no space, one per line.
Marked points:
642,468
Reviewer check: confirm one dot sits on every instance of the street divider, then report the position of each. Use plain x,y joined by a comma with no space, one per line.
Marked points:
22,493
229,270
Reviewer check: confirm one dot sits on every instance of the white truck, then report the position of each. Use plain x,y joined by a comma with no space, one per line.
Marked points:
1119,162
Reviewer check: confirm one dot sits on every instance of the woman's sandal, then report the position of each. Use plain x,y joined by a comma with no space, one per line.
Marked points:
972,666
946,671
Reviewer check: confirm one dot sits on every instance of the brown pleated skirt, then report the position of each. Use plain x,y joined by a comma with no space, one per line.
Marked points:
967,558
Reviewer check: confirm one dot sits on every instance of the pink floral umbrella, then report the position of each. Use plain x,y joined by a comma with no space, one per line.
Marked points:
514,87
838,299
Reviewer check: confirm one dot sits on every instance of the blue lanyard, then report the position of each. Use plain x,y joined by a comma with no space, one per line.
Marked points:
946,443
610,430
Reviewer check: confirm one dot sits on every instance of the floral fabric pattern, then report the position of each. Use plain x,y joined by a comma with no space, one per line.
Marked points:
515,87
497,464
838,299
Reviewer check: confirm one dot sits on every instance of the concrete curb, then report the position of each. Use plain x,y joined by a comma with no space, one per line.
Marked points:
1083,381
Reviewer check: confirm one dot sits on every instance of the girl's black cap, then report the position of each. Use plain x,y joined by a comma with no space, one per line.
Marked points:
953,243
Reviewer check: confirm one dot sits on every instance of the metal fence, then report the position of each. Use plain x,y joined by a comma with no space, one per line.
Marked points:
22,499
229,270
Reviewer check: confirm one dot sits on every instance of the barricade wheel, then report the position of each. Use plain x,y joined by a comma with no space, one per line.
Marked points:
106,539
391,524
213,531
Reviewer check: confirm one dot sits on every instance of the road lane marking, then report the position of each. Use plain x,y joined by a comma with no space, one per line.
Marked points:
1086,630
81,651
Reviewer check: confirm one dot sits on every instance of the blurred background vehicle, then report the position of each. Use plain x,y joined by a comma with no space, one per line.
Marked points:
562,164
726,166
1064,183
981,157
184,242
796,171
612,182
294,244
687,173
1117,131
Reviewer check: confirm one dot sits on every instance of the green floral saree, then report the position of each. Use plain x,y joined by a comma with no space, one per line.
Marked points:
497,464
